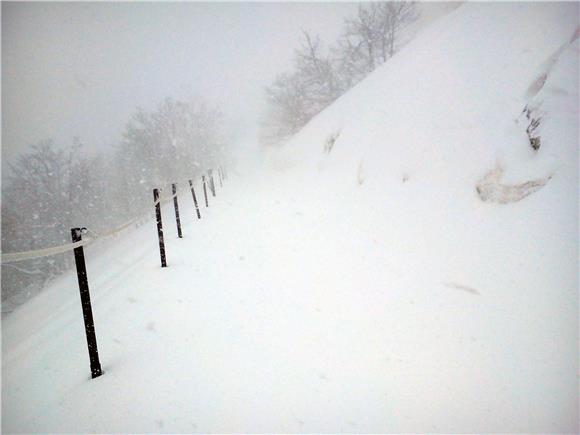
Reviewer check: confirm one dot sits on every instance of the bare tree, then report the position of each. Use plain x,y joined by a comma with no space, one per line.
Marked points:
320,76
294,98
370,38
287,109
394,17
315,70
49,190
173,142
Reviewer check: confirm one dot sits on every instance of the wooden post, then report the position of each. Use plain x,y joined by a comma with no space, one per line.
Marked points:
177,221
220,176
204,190
211,183
159,227
86,304
194,199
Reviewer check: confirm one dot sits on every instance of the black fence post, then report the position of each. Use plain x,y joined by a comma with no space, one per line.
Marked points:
194,199
204,190
219,169
159,227
211,183
177,221
86,304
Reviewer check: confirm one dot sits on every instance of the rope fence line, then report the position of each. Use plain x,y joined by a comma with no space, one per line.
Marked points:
13,257
78,243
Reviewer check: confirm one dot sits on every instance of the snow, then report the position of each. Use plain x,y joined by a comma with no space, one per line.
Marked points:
365,289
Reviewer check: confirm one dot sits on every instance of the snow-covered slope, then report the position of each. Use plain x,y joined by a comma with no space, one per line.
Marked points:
446,107
400,278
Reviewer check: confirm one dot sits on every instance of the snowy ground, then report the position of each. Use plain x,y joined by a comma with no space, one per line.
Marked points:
368,289
288,309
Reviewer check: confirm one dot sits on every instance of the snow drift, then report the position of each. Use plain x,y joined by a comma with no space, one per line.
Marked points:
442,141
409,264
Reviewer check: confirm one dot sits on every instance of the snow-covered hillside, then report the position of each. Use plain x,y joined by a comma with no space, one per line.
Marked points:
406,263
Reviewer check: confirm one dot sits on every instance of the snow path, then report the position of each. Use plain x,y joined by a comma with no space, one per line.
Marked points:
289,308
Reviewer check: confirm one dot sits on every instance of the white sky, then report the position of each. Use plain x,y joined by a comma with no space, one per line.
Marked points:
81,68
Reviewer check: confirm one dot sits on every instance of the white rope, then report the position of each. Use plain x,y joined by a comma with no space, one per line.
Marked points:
129,223
27,255
13,257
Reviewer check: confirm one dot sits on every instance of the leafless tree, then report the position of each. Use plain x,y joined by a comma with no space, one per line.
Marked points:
48,190
370,38
320,76
294,98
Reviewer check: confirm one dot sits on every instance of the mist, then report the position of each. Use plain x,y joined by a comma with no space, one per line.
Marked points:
80,69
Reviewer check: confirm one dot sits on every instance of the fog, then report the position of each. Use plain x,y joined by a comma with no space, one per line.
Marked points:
159,93
80,69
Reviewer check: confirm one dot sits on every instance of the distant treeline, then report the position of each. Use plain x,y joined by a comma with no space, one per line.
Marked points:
52,187
321,75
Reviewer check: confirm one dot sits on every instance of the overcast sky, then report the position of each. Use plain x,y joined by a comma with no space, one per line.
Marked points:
81,69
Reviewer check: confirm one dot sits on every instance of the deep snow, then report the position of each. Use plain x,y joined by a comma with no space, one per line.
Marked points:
368,289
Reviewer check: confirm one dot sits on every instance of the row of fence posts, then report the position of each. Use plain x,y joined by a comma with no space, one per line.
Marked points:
79,255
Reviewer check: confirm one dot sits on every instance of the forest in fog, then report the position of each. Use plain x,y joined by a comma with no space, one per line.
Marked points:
51,187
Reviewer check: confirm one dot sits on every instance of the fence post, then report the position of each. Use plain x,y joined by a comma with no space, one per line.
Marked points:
219,169
204,190
211,183
194,199
159,227
86,304
177,221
